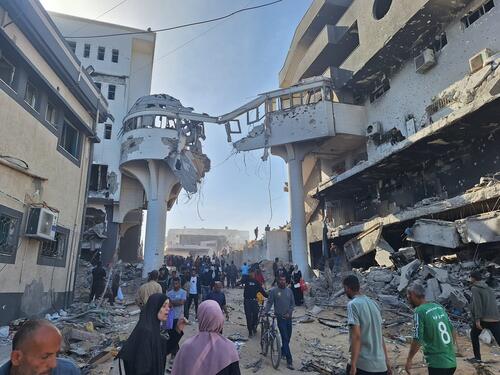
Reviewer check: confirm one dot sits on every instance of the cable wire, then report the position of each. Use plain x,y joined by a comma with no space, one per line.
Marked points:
178,26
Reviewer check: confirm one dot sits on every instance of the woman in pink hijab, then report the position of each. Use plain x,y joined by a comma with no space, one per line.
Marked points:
208,353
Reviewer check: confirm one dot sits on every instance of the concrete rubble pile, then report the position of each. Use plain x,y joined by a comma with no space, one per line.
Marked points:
444,282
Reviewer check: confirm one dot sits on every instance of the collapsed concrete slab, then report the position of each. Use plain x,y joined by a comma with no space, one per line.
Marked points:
406,273
435,232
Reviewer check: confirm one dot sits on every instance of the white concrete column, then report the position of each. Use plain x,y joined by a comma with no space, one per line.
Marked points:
154,243
158,188
297,210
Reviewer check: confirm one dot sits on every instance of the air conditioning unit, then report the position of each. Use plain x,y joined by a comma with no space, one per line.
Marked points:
41,223
374,129
476,62
425,61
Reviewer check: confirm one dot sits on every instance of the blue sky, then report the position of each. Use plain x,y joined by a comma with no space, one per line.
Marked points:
227,64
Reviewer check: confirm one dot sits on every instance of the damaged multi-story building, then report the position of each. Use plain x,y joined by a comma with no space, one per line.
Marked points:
397,143
49,107
121,67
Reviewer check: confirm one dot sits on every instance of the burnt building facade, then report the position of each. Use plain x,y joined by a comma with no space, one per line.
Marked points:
427,173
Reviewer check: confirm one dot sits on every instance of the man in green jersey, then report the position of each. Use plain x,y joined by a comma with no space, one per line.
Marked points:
433,332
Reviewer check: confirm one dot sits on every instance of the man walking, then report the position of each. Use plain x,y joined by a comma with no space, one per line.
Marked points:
233,274
206,280
367,346
250,303
245,270
484,312
433,332
284,303
98,282
148,289
218,296
177,298
194,292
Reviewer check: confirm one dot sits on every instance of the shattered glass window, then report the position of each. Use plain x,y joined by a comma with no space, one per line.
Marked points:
9,229
473,16
54,249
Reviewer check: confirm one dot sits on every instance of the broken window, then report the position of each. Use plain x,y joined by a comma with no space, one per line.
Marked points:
100,53
114,55
72,45
381,8
111,92
98,177
296,99
86,50
53,253
70,139
272,105
10,224
439,42
473,16
51,114
107,131
31,96
6,71
313,96
285,102
380,90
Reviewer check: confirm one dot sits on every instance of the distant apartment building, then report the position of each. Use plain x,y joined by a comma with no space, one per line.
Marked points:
205,241
49,107
121,66
396,143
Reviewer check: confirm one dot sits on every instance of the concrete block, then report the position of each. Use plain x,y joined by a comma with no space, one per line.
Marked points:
406,273
438,273
432,291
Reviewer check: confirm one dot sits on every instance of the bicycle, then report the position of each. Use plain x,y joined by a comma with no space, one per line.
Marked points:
269,337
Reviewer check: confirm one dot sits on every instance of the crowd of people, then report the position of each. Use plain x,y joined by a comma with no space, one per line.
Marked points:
169,295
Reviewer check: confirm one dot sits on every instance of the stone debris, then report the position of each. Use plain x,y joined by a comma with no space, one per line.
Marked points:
406,273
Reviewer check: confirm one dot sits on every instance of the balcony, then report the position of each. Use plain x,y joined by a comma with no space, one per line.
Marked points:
319,14
305,112
156,128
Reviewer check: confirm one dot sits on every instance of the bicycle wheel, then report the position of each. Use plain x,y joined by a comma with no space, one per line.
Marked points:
264,345
275,343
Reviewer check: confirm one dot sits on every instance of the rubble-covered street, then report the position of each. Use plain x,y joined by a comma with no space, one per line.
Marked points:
93,333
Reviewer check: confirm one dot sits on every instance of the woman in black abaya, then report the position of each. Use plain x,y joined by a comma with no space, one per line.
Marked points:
145,351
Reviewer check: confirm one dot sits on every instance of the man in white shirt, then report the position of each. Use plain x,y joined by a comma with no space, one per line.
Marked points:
194,291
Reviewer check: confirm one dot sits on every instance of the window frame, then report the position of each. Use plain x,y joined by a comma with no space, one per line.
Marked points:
54,123
106,130
7,211
115,53
13,72
78,141
99,49
86,50
72,45
109,92
36,97
43,260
